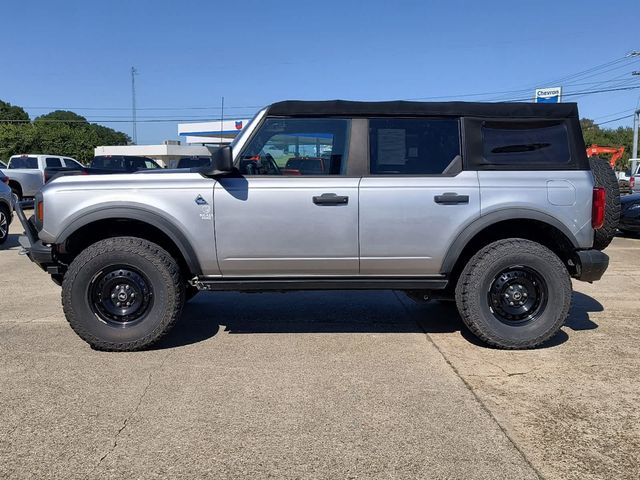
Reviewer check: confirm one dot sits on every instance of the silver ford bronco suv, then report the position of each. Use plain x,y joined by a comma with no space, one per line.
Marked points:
493,205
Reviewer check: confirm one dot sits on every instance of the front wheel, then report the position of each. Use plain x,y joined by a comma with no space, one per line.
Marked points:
122,294
514,294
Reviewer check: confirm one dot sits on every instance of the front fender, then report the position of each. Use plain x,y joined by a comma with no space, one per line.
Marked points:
138,213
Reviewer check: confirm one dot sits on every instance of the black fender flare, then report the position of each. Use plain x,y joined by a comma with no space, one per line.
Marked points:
485,221
142,215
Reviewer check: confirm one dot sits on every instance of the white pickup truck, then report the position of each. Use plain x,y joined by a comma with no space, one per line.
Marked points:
26,172
634,180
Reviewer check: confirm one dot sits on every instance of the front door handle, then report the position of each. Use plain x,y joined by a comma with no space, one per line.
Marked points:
330,199
451,198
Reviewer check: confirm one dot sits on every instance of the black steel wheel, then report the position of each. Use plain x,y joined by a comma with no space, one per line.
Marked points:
518,295
514,293
120,295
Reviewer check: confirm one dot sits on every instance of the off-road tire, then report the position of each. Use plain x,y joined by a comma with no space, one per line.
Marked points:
476,279
155,263
6,214
604,176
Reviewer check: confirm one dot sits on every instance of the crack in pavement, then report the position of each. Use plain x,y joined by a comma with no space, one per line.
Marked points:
507,373
133,412
472,391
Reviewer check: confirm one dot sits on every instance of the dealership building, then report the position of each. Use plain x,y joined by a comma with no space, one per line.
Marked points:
216,133
198,139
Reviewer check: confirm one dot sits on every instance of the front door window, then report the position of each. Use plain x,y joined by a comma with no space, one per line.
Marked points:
297,147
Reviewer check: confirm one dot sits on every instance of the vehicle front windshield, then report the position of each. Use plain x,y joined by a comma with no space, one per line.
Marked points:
247,128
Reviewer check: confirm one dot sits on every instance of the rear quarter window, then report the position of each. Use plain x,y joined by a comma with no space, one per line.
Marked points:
521,144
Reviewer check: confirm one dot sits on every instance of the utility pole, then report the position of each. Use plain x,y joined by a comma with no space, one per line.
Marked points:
636,121
634,161
221,120
134,72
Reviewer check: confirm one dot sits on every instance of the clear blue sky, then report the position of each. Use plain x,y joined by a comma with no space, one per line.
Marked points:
72,54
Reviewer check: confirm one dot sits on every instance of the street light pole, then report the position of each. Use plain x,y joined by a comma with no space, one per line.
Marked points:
636,121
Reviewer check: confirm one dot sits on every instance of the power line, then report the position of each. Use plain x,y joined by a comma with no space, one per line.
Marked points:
146,108
585,92
466,95
614,113
584,73
608,121
523,90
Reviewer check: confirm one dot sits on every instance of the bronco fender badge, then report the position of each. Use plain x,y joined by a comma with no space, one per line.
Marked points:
200,200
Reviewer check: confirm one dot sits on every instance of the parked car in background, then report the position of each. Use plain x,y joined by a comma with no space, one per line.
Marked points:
194,162
306,166
630,214
104,165
634,181
2,164
625,186
122,163
7,201
26,172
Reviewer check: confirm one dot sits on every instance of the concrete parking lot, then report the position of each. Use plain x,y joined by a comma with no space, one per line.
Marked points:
321,385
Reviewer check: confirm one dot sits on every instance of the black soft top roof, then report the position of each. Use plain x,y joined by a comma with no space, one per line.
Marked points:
299,108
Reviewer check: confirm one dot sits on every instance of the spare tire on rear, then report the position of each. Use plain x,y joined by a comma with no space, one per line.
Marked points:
603,176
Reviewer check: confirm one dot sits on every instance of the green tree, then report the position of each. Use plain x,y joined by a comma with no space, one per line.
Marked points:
62,116
60,132
609,137
12,112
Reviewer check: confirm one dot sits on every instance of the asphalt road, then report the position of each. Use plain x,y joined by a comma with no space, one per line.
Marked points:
320,385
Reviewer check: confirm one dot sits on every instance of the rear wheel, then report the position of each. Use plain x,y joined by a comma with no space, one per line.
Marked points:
514,294
122,294
604,176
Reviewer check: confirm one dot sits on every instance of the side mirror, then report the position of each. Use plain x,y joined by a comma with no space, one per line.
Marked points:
222,161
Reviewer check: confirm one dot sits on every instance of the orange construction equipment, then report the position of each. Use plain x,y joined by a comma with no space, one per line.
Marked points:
616,152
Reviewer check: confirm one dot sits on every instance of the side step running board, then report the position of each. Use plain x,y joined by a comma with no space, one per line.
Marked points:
438,282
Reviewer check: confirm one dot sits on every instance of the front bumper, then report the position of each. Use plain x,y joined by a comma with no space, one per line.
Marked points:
590,265
32,246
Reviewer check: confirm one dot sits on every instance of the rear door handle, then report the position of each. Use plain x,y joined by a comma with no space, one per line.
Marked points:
451,198
330,199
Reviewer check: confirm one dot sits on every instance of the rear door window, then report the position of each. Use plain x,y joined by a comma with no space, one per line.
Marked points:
521,144
24,162
413,146
53,162
72,164
150,164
